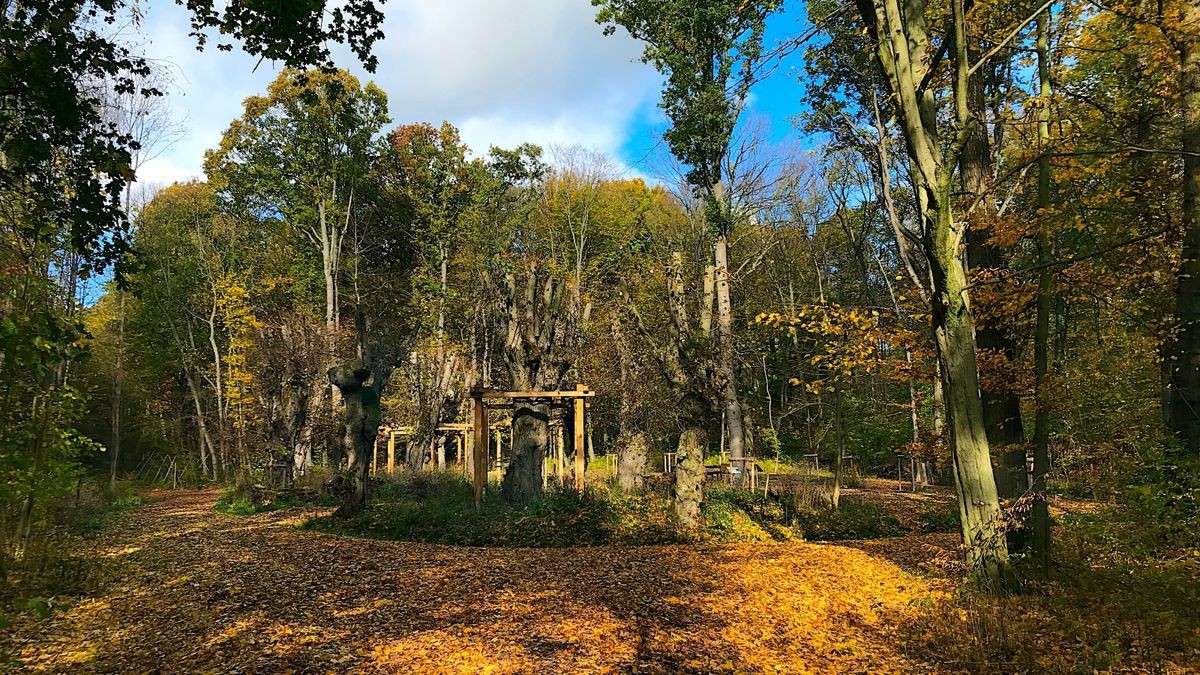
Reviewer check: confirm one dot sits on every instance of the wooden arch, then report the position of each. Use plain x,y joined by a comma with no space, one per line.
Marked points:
480,398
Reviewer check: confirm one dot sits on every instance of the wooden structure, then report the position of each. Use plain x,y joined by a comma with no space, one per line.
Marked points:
481,397
392,433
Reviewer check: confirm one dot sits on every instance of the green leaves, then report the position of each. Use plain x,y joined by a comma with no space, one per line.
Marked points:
710,52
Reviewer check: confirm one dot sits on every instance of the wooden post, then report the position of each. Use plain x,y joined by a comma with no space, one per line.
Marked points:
469,442
499,446
391,451
579,439
458,448
481,443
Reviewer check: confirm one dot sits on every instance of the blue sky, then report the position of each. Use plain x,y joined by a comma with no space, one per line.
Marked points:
504,72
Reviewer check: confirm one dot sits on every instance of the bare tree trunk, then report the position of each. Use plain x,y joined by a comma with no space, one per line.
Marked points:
632,463
218,384
522,482
836,497
361,428
201,425
631,439
1040,516
689,478
727,359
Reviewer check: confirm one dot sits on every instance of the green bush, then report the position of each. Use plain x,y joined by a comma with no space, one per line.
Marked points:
439,508
941,520
852,520
245,501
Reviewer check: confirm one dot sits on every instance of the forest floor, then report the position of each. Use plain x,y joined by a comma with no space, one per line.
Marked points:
200,591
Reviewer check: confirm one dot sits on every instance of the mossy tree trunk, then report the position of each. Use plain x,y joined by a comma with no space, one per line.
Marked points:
689,478
905,52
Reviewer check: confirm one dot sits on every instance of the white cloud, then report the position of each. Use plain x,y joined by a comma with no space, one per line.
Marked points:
503,72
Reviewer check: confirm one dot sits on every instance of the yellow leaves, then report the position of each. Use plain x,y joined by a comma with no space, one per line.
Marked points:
849,339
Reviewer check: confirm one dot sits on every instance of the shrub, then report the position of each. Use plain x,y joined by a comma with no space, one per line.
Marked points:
853,519
941,520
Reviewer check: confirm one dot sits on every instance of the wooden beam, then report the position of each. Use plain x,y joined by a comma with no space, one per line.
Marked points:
579,440
580,391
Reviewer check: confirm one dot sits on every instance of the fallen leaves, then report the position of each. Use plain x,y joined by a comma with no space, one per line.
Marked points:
209,592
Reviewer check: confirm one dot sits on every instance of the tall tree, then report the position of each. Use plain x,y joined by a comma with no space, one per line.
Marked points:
1180,21
426,180
302,154
710,53
907,54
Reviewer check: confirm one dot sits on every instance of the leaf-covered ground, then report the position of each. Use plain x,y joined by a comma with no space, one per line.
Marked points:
206,592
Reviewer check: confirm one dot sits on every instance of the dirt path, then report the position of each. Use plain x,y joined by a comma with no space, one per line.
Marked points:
206,592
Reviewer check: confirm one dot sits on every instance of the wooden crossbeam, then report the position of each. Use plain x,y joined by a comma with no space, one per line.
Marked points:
494,393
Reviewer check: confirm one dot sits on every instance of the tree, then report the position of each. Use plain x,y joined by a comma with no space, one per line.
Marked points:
711,53
905,52
426,180
299,157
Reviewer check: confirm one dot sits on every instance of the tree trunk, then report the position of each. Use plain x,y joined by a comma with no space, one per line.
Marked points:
979,506
904,50
727,362
1184,397
689,478
631,465
522,482
1001,406
631,441
1040,516
218,386
361,427
117,404
836,497
201,425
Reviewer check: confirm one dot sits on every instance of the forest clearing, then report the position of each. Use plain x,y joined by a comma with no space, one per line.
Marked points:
600,336
207,592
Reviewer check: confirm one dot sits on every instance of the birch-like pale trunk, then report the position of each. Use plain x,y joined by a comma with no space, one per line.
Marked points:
735,431
201,426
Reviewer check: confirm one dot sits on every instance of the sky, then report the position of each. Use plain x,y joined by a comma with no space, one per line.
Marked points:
503,71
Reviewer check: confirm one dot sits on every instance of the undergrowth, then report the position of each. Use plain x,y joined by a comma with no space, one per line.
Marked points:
438,508
55,567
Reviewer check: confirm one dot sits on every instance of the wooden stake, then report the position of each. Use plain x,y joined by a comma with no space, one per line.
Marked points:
579,440
481,443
